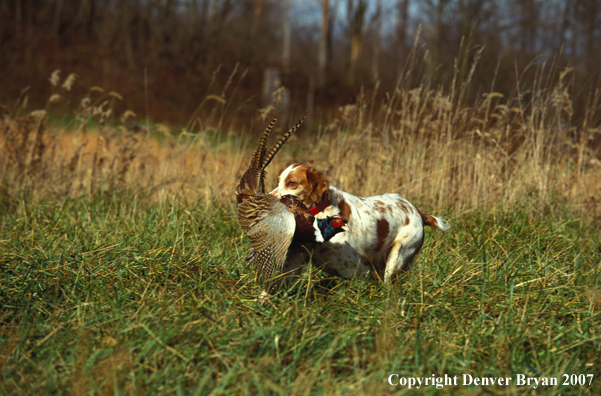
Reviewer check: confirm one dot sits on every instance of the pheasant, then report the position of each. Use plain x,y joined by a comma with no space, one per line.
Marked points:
274,225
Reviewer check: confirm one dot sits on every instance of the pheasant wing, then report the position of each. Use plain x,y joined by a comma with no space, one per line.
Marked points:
270,227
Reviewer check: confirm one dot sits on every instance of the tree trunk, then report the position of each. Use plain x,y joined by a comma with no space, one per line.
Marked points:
217,17
565,24
256,18
18,20
440,32
402,34
375,58
591,54
287,35
322,55
56,20
127,41
356,39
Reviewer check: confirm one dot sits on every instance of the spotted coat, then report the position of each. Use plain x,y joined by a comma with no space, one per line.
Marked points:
385,232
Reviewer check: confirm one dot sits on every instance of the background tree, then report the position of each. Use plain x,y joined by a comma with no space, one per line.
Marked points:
187,48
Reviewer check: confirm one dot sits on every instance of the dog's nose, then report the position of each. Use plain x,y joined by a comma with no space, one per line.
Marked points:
275,193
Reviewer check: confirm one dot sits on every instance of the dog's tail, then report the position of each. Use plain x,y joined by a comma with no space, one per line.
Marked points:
434,221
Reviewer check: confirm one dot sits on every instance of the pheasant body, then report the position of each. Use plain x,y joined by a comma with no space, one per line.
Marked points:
273,225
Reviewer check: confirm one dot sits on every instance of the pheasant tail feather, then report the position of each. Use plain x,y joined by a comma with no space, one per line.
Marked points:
252,180
276,147
257,160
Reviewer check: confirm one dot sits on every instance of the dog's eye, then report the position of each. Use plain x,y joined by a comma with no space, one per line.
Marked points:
291,183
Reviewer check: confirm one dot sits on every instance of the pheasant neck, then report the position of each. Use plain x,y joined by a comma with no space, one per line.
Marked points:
320,206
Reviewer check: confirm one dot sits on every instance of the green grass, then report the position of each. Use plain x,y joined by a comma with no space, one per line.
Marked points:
114,295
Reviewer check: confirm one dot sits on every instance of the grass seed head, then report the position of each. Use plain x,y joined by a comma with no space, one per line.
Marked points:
55,98
55,77
70,81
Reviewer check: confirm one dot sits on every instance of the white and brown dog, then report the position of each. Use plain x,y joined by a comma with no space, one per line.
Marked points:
385,232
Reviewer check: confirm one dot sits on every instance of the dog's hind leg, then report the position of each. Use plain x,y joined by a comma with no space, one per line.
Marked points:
391,261
401,256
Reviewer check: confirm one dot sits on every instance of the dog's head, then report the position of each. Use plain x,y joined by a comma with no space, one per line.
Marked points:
303,182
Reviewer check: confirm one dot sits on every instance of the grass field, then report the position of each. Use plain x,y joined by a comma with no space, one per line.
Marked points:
111,295
122,264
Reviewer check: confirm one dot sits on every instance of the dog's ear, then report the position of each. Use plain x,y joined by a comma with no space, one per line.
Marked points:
319,184
318,191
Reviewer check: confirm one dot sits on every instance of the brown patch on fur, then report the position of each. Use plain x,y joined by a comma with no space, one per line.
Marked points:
313,183
407,220
318,185
428,219
296,173
382,230
402,206
380,207
284,168
345,209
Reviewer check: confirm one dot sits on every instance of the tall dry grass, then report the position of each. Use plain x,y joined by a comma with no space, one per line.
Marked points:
121,294
424,143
